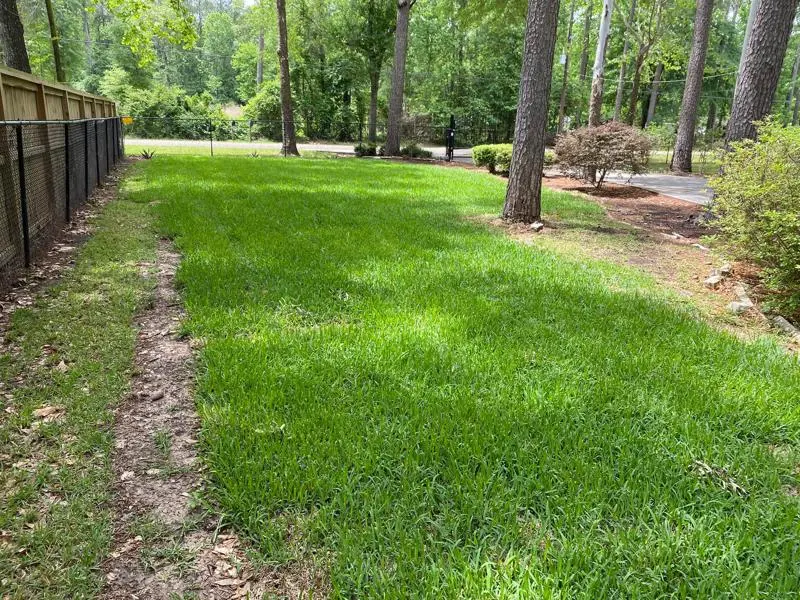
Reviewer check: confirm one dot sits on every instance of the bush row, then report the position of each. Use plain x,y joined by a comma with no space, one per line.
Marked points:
409,151
497,157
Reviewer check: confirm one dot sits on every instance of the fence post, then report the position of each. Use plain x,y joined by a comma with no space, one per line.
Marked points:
86,158
66,173
211,136
97,151
23,198
106,123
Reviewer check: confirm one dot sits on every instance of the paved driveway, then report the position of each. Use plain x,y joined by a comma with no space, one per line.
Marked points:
692,188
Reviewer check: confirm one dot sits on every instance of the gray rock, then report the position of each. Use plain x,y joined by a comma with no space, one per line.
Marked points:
726,269
741,293
740,307
786,327
713,281
537,226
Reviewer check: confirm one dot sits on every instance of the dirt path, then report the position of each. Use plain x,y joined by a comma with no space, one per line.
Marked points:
166,545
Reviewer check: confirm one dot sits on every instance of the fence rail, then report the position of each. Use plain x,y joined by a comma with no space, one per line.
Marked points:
47,170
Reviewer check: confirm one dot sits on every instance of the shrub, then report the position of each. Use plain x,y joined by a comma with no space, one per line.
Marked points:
414,151
264,109
602,149
502,158
549,158
758,205
367,149
488,155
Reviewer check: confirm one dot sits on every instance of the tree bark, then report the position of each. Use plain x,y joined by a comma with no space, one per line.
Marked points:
260,63
596,99
289,140
398,77
651,107
623,65
12,39
524,192
55,41
562,104
763,59
684,142
372,126
751,16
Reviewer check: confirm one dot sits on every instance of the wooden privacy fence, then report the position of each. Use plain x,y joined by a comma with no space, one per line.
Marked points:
24,97
56,145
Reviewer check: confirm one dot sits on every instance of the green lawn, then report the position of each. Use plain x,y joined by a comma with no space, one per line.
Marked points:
427,408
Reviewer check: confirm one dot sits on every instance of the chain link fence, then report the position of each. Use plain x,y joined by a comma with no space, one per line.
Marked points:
47,170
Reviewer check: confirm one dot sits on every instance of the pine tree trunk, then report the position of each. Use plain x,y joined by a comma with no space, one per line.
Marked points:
398,77
55,40
751,17
260,63
289,141
12,40
762,60
596,99
623,66
562,104
651,107
372,127
523,195
684,142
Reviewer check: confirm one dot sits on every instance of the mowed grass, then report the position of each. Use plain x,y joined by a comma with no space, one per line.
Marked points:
425,407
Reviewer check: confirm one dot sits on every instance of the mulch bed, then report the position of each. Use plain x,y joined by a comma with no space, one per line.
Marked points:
642,208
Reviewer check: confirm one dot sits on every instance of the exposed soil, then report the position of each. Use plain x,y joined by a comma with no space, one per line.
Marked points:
642,208
165,544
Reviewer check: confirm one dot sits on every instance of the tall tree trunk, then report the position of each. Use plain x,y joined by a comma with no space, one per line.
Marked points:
12,40
524,192
623,65
374,85
398,77
637,81
587,26
55,41
712,117
289,141
763,60
684,142
260,63
562,104
651,106
87,37
751,17
792,84
596,99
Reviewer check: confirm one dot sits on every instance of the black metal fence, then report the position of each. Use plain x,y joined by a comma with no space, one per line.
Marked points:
47,170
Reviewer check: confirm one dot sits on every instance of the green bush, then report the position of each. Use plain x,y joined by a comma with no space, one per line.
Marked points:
366,149
502,158
549,158
264,109
414,151
487,156
608,147
758,208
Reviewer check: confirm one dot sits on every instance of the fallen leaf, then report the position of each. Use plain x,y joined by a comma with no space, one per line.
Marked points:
48,412
127,475
227,582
